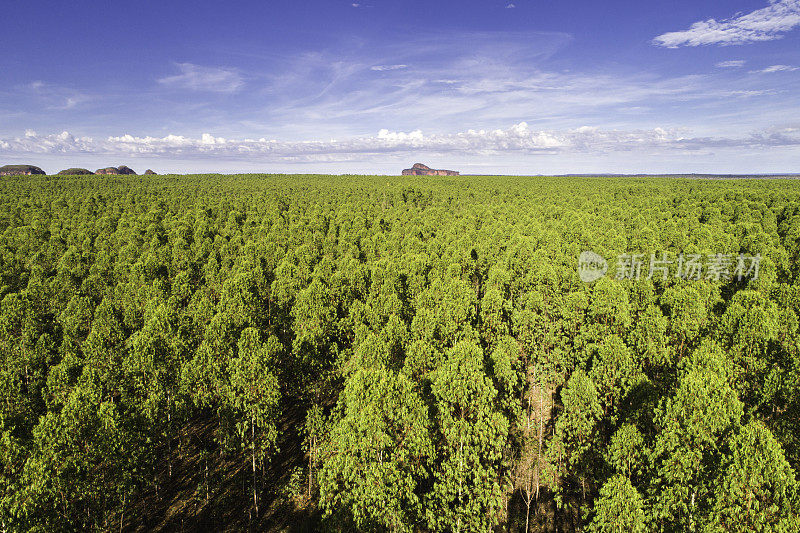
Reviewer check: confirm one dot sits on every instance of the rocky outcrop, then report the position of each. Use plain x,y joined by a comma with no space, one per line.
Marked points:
150,172
125,170
418,169
122,169
20,170
75,172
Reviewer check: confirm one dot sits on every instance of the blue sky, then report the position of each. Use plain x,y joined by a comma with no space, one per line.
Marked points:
371,86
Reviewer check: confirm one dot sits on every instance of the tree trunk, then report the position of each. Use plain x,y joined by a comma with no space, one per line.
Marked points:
253,437
311,450
460,460
528,513
541,438
169,439
121,518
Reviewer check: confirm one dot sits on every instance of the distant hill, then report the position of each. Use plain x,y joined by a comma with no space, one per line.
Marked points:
20,170
122,169
418,169
75,172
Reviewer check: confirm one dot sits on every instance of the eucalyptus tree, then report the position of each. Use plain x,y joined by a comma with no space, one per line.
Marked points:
756,489
254,395
575,445
619,508
693,425
466,494
378,453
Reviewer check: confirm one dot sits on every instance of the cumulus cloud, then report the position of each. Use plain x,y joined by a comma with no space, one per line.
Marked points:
519,138
776,68
199,78
765,24
735,63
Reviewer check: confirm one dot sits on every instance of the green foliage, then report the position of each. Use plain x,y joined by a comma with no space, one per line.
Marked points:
254,390
626,451
378,452
614,370
692,426
404,354
619,508
687,314
576,427
756,490
466,494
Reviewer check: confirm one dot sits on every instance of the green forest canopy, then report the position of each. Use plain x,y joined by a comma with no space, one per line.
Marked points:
386,353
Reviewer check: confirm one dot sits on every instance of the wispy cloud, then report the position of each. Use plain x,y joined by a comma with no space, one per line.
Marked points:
519,138
388,67
199,78
441,82
776,68
510,6
57,98
498,90
436,96
735,63
765,24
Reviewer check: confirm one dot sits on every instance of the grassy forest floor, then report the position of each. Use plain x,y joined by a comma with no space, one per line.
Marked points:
182,505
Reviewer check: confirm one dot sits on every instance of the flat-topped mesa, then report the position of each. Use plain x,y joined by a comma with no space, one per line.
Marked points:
20,170
107,170
122,169
418,169
126,170
75,172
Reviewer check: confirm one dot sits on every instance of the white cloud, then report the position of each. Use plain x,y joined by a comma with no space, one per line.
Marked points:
200,78
776,68
765,24
735,63
518,139
57,98
505,84
452,104
388,67
510,6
